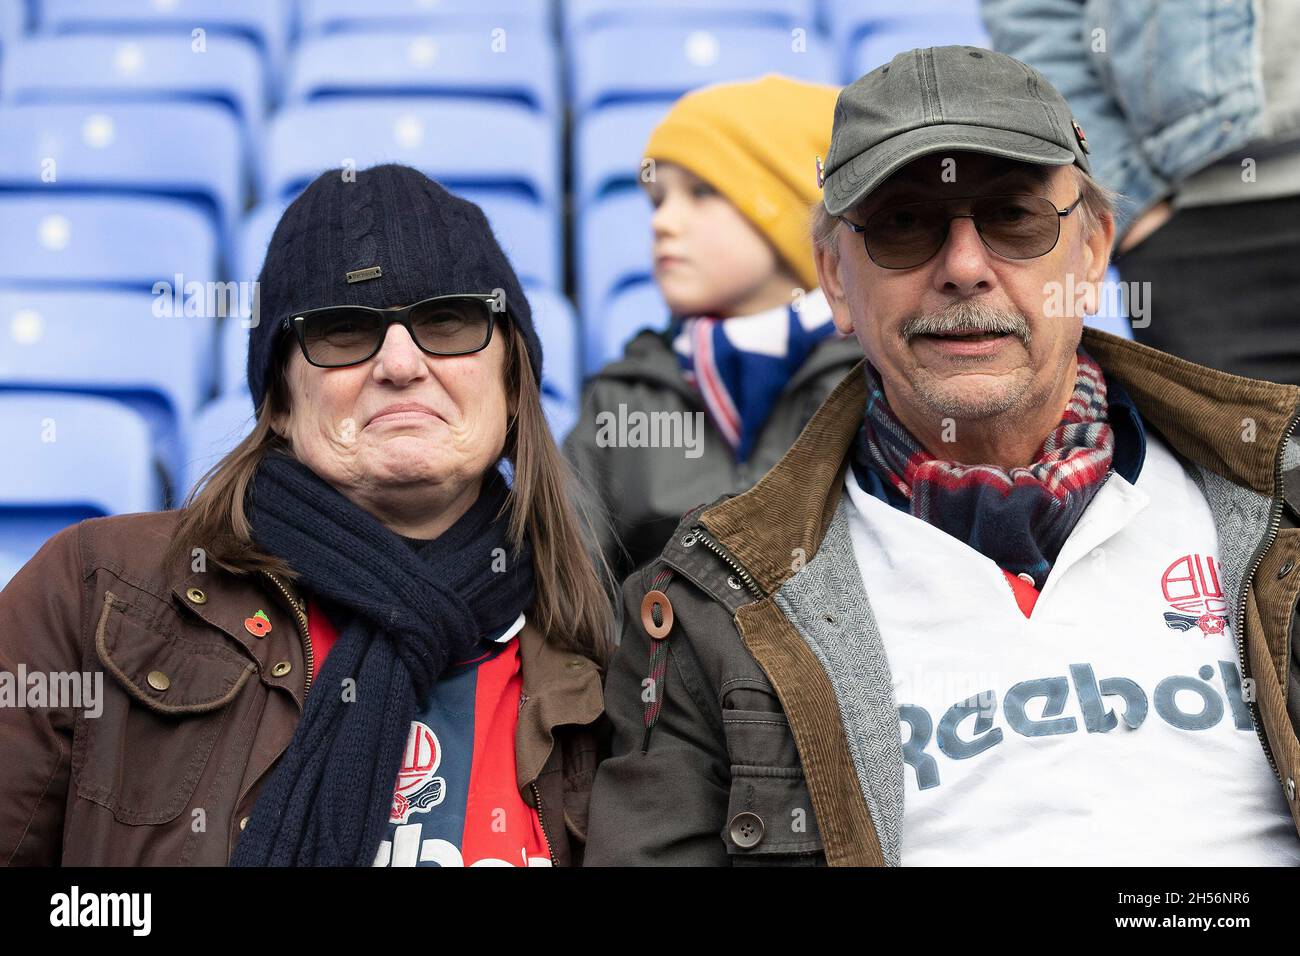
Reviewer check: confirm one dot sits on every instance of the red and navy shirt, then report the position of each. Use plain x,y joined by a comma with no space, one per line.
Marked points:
456,801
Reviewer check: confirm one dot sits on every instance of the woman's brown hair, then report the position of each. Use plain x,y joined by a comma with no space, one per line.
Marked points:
571,605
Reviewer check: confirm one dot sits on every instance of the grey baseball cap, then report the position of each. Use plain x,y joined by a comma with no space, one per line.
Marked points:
939,99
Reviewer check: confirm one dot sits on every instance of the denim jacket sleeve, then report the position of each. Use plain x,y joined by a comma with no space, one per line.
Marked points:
1054,37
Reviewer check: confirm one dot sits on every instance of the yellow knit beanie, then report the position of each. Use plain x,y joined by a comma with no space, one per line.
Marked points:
756,143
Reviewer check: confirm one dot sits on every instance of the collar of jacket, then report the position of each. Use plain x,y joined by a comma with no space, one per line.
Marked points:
1200,412
560,688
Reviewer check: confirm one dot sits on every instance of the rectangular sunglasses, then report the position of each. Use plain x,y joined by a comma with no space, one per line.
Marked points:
342,335
910,234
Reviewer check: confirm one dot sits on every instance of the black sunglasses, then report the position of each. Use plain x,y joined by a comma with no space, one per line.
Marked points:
341,335
1014,227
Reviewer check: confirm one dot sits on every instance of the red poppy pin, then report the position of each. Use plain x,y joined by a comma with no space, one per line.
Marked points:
258,625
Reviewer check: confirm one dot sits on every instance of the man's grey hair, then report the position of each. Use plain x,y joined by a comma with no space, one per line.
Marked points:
1098,204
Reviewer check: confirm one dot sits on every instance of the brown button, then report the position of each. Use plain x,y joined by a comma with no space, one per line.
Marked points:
747,829
196,595
158,680
648,603
280,669
243,823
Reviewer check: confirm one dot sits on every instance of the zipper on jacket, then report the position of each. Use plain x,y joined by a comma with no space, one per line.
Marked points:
1274,523
706,539
301,620
541,820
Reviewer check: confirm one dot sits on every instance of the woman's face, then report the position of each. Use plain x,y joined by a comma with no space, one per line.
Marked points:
405,435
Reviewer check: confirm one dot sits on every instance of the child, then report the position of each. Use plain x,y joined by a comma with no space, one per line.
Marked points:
751,351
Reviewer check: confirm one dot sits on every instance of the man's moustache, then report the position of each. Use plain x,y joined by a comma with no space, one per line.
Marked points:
966,320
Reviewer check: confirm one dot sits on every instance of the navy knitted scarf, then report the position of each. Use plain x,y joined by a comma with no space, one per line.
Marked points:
405,615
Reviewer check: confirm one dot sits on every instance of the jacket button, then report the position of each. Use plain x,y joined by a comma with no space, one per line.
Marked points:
747,829
280,669
243,823
158,680
197,596
1286,569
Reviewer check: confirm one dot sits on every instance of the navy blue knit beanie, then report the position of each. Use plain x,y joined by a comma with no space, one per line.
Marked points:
415,238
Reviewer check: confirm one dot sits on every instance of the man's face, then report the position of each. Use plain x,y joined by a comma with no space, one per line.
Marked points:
965,335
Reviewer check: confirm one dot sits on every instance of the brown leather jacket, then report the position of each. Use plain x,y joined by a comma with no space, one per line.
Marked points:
196,709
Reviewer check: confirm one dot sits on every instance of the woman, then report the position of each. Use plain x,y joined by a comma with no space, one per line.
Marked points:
354,644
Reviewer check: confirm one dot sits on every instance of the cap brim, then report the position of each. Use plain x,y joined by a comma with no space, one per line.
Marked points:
856,179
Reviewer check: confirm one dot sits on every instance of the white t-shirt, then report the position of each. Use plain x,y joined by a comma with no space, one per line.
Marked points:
1106,729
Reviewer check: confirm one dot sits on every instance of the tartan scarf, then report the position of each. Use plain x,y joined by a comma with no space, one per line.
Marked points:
741,365
1018,518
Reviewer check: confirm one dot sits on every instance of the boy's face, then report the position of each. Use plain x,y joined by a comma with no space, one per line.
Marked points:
708,259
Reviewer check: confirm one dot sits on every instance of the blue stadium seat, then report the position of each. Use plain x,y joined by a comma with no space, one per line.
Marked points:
218,427
70,457
636,307
13,23
560,415
254,236
521,68
557,327
499,147
119,241
614,250
109,343
607,147
233,351
90,69
584,15
188,151
867,33
890,37
529,234
319,17
264,22
636,64
847,21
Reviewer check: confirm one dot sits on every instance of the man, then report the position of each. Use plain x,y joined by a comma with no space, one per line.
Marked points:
1020,593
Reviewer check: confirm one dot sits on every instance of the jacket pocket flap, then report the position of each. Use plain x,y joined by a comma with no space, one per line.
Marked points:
165,672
